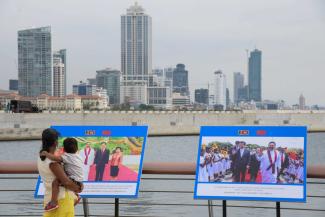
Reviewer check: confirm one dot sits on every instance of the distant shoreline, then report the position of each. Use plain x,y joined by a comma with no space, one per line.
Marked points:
28,126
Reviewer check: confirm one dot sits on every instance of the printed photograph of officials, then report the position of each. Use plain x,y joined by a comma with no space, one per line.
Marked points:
252,160
109,158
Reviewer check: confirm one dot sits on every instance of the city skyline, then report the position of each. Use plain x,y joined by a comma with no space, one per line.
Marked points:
177,42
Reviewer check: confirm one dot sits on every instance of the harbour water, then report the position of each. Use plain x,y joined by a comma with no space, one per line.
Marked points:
158,149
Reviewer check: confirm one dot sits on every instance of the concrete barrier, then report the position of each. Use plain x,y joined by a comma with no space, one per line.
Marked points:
23,126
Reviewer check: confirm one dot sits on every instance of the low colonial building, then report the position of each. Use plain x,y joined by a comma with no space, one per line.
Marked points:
69,102
73,102
93,102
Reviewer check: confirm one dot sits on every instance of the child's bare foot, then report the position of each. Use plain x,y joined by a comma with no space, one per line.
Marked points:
52,205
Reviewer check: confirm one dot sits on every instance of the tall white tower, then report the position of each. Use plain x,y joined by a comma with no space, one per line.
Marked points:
220,89
136,55
302,102
136,42
59,77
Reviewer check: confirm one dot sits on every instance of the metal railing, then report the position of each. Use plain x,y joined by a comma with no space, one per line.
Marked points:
157,172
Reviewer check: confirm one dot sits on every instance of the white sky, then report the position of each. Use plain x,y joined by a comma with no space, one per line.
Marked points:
204,35
289,142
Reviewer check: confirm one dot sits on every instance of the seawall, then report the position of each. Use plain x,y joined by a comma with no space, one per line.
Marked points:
29,126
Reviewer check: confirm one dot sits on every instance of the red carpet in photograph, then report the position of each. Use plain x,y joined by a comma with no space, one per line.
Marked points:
258,178
125,174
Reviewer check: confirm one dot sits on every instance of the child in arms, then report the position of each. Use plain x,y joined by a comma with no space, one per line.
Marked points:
72,164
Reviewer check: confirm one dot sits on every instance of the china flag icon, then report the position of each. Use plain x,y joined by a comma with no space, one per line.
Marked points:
243,132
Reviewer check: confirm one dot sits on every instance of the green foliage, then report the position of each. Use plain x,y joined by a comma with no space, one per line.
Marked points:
112,143
144,107
139,139
227,145
221,145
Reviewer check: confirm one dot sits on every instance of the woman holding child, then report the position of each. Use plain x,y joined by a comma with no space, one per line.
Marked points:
52,173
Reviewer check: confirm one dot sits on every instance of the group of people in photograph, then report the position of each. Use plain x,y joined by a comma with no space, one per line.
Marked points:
256,165
100,158
213,164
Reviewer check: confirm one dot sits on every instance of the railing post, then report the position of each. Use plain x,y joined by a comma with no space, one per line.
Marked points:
116,207
224,208
210,208
85,207
278,209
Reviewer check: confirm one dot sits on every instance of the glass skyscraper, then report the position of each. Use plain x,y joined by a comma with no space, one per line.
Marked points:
202,96
255,76
238,83
109,79
84,89
180,80
13,84
35,61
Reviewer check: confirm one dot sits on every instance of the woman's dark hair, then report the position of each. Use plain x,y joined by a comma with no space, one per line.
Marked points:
119,148
49,138
70,145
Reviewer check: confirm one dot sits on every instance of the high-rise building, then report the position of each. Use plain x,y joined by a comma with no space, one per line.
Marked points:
60,56
180,80
302,102
160,97
227,98
135,43
59,76
84,89
134,94
238,83
92,81
220,89
168,73
162,77
255,76
202,96
102,93
136,54
109,79
13,84
159,72
35,61
242,94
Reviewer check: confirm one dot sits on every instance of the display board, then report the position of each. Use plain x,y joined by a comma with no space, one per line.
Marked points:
111,158
251,163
